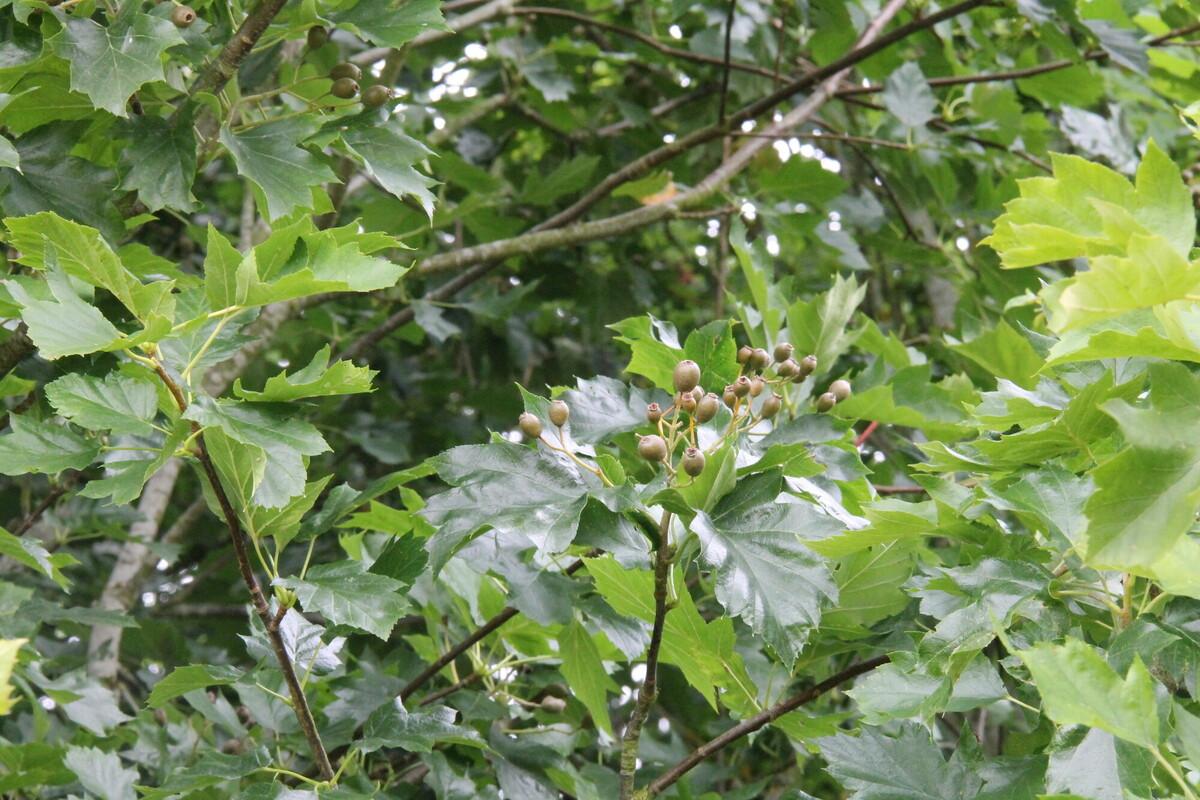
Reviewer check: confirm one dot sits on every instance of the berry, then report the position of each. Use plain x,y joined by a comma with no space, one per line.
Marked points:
787,368
652,448
687,375
693,461
376,95
559,413
345,70
743,354
771,406
707,408
840,389
729,396
555,705
757,385
653,413
344,88
317,37
530,425
783,351
741,387
687,402
807,365
760,358
698,393
826,402
183,16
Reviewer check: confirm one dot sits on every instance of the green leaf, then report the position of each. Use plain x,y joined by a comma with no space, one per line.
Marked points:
654,346
416,731
270,155
765,574
820,326
908,96
390,23
41,447
869,586
348,595
159,161
318,379
9,650
584,671
284,440
28,551
9,157
506,487
280,523
1079,688
184,679
117,403
1004,353
648,186
714,349
907,767
388,154
603,407
403,559
64,325
101,773
108,64
566,178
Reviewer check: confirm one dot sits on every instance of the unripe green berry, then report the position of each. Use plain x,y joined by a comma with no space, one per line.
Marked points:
741,387
826,401
760,358
783,351
707,408
183,16
317,37
840,389
787,368
652,448
530,425
687,375
559,413
771,406
345,70
729,396
743,354
757,385
345,88
653,413
376,95
693,461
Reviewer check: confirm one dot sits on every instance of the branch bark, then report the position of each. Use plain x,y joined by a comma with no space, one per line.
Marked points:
750,725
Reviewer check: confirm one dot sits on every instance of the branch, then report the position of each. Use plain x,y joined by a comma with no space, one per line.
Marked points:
221,71
727,63
487,11
663,108
750,725
16,348
649,688
33,516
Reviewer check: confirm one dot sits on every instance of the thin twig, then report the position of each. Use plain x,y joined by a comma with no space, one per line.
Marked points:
728,64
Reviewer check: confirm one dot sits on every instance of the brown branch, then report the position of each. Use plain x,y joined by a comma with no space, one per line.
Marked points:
271,623
899,489
727,63
648,692
51,497
649,41
16,348
662,109
828,137
235,51
750,725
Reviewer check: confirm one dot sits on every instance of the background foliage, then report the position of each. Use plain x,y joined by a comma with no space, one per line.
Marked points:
271,530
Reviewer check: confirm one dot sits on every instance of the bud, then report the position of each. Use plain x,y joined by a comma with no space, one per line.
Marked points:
652,448
653,413
743,354
771,406
783,351
826,401
840,389
687,375
787,368
707,408
530,425
757,384
760,358
559,413
693,461
741,387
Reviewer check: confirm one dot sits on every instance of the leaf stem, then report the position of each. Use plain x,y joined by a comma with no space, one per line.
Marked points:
1165,763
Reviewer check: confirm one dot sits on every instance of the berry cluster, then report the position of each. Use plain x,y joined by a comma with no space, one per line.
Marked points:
346,76
691,407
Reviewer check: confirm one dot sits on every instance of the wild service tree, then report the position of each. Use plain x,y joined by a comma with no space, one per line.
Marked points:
672,399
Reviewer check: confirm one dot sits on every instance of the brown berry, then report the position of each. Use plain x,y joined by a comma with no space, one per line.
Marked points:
376,95
559,413
757,385
652,448
707,408
345,70
555,705
687,375
741,387
787,368
808,365
783,351
693,461
826,402
530,425
771,406
840,389
653,413
317,37
760,358
183,16
729,396
687,402
344,88
743,354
